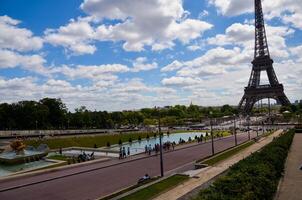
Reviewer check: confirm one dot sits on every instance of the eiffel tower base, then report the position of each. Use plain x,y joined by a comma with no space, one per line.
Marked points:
252,95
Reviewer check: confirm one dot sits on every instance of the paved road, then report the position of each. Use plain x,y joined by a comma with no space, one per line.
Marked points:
103,179
292,183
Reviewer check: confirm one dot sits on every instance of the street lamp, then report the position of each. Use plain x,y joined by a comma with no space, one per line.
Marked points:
248,127
235,129
212,137
257,126
262,127
160,146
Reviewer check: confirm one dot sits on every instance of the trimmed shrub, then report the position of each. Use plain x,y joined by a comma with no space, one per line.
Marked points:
255,177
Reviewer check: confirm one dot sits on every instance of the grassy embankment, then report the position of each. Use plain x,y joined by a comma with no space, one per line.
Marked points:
92,140
157,188
227,154
255,177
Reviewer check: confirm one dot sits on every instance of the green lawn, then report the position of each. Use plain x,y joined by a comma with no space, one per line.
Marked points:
155,189
98,140
87,141
227,154
90,141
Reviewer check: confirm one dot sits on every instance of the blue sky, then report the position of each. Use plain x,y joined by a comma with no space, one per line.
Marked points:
129,54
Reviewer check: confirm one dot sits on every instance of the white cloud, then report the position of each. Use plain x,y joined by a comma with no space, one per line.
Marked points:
180,81
76,37
232,7
93,73
203,14
288,10
34,63
155,23
175,65
243,35
14,38
214,62
294,19
296,51
132,94
193,47
140,64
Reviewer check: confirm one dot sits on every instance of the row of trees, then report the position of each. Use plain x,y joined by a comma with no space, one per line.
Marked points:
49,113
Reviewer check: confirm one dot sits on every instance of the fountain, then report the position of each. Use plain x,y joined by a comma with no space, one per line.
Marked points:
19,153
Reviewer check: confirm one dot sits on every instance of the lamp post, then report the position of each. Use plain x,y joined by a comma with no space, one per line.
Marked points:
212,137
248,127
257,126
235,129
262,127
160,146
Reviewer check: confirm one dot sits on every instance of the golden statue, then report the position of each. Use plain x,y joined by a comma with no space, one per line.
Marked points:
18,146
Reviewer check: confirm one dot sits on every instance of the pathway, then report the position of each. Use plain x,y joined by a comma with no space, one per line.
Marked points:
209,173
292,182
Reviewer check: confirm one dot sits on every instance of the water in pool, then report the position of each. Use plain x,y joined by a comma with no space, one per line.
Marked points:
6,170
139,147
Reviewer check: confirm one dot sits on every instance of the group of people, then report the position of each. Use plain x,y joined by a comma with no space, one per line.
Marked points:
85,157
166,146
123,153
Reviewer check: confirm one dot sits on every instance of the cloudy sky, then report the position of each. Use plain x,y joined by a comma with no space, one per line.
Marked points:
129,54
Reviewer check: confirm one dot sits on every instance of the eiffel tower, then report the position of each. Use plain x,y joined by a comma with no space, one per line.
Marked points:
262,62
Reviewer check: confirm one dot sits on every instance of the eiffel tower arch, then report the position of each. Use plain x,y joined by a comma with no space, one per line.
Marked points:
262,62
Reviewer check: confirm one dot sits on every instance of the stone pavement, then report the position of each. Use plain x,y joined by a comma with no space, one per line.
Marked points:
211,172
290,187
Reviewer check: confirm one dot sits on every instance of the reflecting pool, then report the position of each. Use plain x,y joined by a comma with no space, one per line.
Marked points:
139,147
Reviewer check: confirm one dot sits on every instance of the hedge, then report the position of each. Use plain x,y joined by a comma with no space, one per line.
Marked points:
255,177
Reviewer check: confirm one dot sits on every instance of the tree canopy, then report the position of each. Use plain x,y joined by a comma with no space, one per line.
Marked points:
50,113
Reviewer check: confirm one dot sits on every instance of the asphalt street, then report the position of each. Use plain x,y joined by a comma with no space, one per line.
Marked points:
100,179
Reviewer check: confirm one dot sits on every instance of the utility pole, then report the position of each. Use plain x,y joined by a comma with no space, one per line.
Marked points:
160,146
212,137
269,113
257,126
248,127
235,130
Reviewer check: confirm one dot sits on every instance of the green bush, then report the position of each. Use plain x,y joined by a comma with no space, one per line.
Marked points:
255,177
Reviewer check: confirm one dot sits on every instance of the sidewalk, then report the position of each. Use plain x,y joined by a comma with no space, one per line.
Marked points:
206,174
290,187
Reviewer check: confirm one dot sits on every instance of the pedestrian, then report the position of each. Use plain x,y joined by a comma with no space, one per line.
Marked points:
121,153
146,149
128,151
124,152
150,150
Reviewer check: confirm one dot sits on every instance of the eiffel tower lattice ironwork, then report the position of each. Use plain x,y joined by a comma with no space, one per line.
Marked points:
262,62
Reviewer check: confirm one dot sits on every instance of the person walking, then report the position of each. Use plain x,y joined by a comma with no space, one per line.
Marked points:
150,148
128,151
124,152
121,153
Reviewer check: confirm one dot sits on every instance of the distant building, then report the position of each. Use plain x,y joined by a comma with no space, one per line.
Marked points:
298,102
